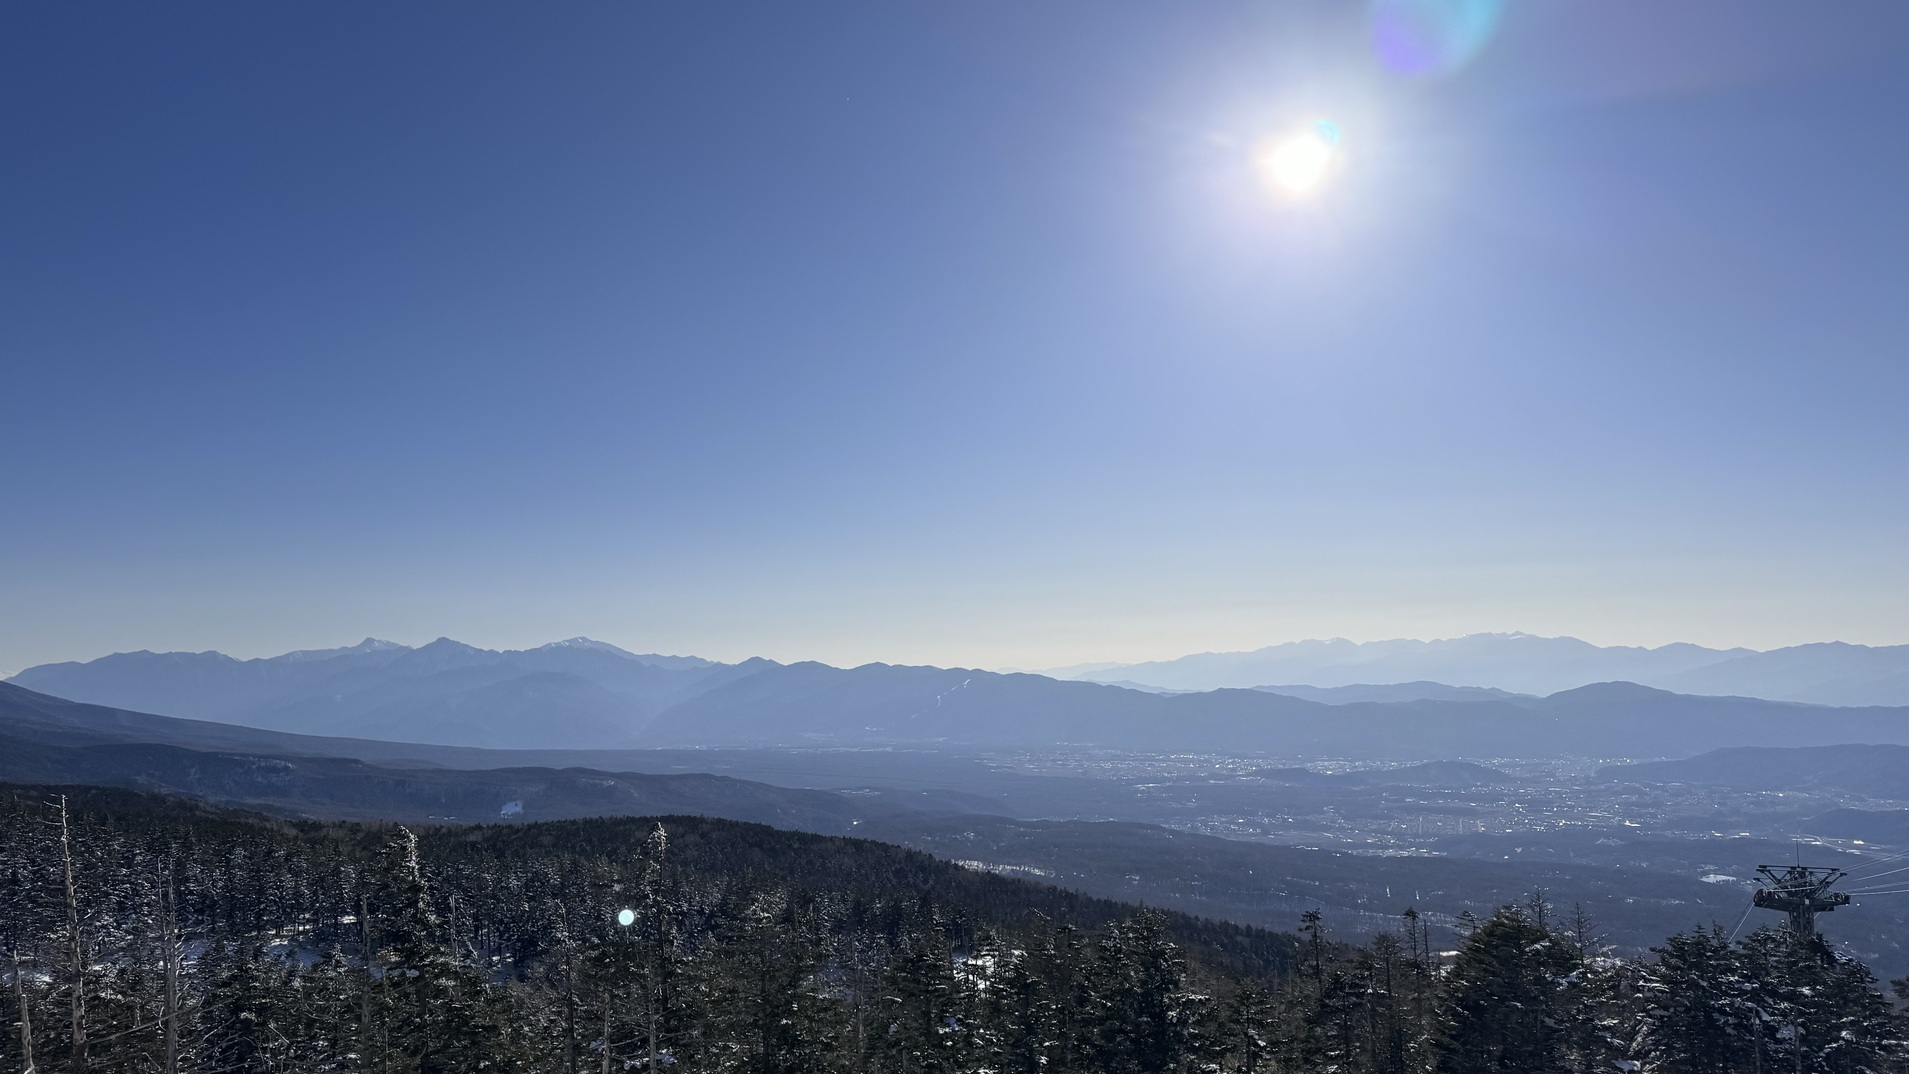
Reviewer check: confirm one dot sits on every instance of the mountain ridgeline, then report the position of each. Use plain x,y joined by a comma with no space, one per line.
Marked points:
1827,673
577,693
585,695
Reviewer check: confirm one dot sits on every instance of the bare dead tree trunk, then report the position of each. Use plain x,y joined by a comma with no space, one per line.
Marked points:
364,997
170,920
76,951
654,1014
606,1029
26,1016
657,926
569,1006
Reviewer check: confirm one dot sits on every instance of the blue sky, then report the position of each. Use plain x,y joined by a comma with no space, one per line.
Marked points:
952,333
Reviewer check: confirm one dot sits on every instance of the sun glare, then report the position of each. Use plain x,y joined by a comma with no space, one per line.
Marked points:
1299,164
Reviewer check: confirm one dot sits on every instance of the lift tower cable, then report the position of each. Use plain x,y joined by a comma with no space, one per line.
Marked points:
1801,891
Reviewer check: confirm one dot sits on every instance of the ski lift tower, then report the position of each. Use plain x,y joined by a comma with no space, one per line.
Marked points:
1801,891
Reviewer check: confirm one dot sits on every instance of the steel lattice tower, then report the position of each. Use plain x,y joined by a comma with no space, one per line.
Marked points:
1801,891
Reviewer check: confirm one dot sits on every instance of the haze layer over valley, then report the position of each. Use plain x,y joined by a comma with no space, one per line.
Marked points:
1245,804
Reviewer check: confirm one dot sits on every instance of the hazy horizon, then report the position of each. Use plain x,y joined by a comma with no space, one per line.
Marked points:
245,653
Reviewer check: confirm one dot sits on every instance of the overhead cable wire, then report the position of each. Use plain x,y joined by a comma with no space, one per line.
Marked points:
1870,880
1884,860
1888,872
1881,858
1864,870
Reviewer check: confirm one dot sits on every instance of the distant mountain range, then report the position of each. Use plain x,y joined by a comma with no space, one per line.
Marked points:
813,704
1397,691
583,695
1828,673
568,694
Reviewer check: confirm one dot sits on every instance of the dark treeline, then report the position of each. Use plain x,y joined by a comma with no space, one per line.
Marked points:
150,934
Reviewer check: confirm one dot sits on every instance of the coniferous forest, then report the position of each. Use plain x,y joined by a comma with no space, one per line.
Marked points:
152,934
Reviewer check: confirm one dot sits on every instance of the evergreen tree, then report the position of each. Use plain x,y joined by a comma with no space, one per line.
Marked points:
1246,1040
764,1015
247,1014
1015,1012
1698,1017
1814,1012
1388,1028
436,1013
662,1005
1505,1004
330,991
1144,1021
1061,963
921,1025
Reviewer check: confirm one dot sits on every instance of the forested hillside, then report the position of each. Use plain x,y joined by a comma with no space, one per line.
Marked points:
146,933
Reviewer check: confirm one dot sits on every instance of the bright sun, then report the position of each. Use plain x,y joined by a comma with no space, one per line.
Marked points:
1300,163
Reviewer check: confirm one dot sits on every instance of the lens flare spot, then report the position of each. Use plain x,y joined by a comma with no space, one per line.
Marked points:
1300,163
1431,37
626,917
